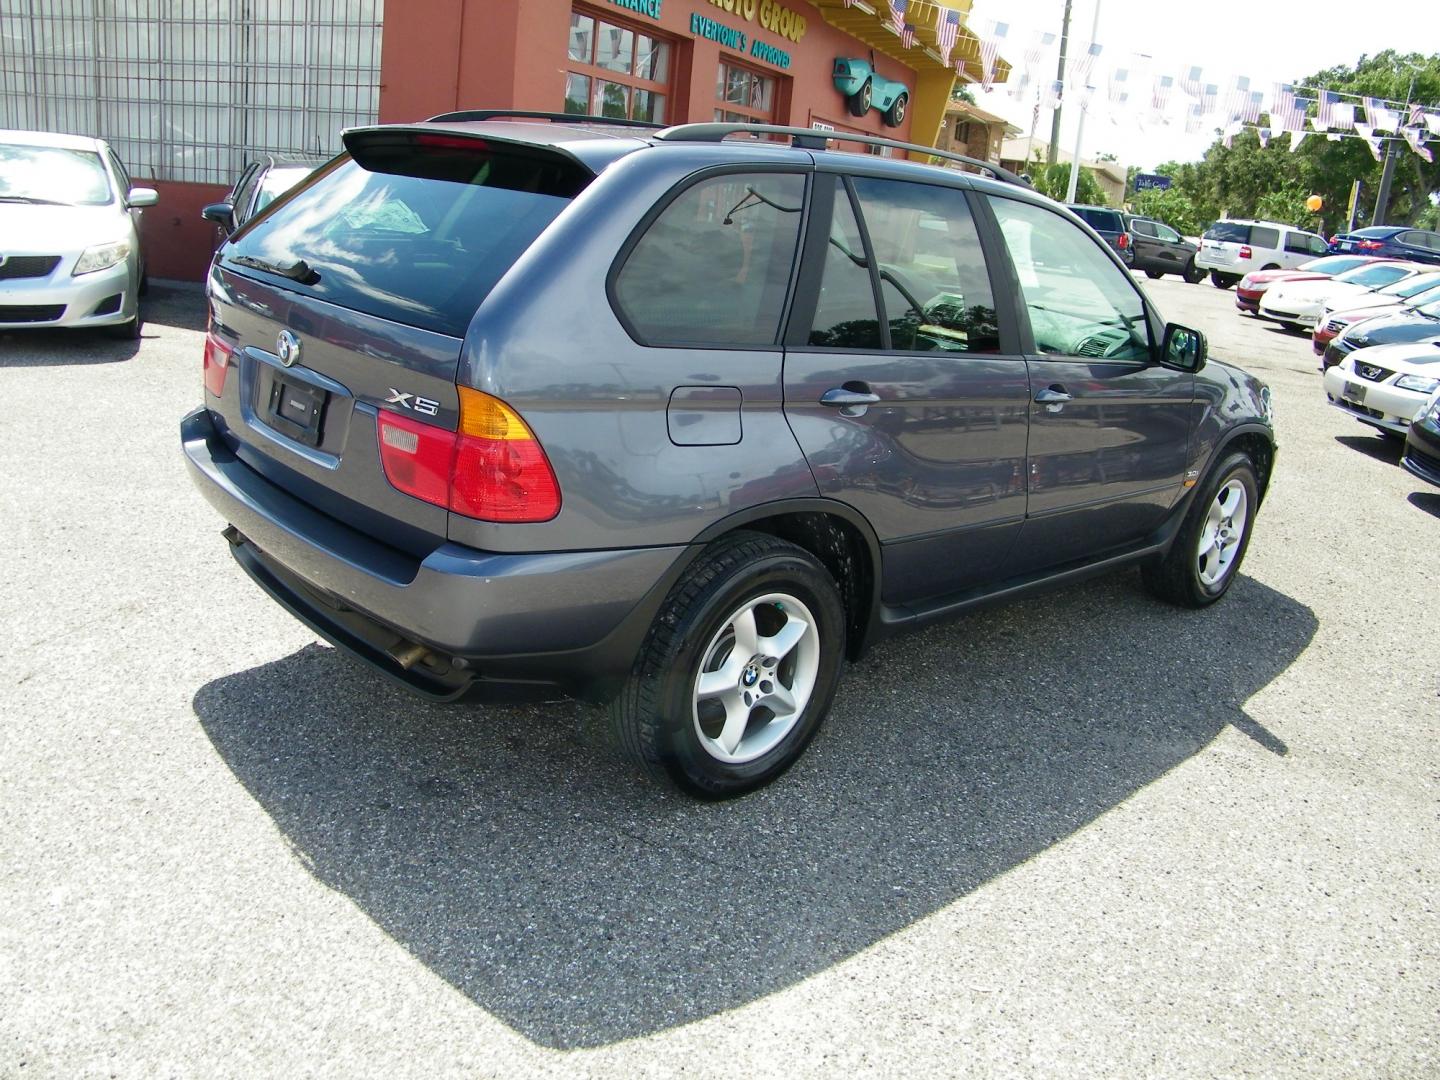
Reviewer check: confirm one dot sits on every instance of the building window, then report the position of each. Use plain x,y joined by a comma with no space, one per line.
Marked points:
744,96
613,70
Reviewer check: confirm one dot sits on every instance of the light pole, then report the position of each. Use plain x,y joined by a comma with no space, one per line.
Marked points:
1080,127
1060,78
1387,174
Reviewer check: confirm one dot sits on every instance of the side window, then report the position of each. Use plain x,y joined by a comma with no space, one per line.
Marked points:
933,280
714,267
846,317
1264,238
1295,241
1167,234
1318,246
1143,228
1080,302
244,193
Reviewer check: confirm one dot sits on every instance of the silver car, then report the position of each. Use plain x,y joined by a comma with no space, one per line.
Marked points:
69,234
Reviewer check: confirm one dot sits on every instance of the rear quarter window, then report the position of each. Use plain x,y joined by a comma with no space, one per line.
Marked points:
714,267
418,234
1263,237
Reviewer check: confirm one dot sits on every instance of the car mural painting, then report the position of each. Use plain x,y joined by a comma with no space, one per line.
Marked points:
866,89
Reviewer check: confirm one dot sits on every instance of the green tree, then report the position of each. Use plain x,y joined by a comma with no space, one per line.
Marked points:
1248,180
1054,181
1173,207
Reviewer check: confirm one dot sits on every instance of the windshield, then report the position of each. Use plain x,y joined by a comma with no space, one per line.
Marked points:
1375,275
278,181
1412,286
53,174
1419,300
1335,264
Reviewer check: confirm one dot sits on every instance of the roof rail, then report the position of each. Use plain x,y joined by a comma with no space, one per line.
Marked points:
815,139
525,114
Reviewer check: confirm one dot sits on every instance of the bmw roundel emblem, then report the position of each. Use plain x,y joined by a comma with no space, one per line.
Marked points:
287,348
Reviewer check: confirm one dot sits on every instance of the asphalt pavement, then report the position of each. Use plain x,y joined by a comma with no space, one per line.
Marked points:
1083,835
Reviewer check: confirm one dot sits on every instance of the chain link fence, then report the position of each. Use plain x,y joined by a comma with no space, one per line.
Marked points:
190,90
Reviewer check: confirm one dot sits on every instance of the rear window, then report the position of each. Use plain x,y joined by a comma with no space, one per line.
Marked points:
418,231
1232,232
1100,220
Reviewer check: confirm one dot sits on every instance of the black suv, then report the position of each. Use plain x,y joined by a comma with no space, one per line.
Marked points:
1158,250
1110,225
679,422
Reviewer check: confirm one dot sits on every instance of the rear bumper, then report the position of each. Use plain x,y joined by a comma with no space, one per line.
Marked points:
459,622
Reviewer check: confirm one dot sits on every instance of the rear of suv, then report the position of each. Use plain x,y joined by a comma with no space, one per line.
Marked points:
679,424
1231,249
1110,225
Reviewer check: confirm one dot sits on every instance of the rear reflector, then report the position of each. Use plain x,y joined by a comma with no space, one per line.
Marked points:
216,363
493,468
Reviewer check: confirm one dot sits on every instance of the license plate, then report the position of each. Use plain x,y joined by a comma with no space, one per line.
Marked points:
1354,392
295,409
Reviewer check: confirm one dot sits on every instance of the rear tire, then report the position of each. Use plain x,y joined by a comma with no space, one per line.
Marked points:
1193,274
1222,281
1206,555
737,671
859,101
1154,275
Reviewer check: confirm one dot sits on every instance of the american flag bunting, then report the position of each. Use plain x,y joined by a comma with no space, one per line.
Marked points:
947,29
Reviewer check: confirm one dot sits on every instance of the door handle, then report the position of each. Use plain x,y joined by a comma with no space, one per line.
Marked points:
1052,395
849,401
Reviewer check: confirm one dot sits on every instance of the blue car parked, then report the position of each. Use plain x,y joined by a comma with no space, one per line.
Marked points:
1392,241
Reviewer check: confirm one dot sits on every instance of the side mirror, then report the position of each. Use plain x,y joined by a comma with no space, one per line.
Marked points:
222,214
1183,349
141,196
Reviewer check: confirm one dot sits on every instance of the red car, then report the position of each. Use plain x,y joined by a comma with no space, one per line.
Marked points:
1253,285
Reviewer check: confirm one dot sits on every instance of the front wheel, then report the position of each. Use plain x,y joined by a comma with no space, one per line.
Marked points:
1154,275
895,116
1203,560
737,671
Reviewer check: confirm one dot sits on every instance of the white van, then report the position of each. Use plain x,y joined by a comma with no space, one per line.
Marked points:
1231,249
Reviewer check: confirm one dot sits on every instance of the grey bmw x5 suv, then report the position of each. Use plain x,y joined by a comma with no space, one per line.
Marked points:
503,404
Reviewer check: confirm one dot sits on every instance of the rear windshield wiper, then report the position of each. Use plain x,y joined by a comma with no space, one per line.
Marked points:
299,270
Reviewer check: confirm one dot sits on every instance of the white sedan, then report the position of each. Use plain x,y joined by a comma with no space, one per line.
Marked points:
69,234
1385,386
1297,304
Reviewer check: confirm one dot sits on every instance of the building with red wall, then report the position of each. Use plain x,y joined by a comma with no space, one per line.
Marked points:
187,103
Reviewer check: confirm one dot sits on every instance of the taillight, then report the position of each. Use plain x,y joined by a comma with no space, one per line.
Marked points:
1245,251
1124,241
216,363
491,468
1370,245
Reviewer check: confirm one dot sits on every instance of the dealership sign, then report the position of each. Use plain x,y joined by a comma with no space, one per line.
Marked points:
1151,181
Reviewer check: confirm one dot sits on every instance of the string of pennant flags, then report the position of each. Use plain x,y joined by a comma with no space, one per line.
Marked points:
1133,85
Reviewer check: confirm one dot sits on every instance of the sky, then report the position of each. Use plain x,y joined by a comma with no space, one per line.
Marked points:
1268,40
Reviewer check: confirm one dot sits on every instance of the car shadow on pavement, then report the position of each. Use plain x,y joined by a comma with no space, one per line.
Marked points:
1428,501
514,854
64,348
180,304
1376,446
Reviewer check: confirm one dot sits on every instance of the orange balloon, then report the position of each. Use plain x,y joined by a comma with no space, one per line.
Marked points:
1314,203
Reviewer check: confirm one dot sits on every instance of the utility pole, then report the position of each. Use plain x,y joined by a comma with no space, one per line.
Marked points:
1060,78
1080,127
1387,174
